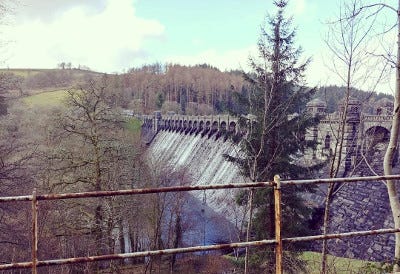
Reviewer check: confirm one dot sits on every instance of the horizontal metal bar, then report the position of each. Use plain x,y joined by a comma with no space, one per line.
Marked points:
341,180
134,191
150,190
16,198
195,249
136,254
16,265
137,191
341,235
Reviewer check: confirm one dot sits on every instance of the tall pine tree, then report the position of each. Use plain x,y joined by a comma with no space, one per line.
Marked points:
276,123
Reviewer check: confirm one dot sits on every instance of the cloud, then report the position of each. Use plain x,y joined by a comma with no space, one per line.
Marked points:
33,9
99,40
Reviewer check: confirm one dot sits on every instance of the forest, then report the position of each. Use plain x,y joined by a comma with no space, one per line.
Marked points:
193,90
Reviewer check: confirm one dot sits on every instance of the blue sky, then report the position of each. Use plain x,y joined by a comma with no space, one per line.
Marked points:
115,35
227,23
193,27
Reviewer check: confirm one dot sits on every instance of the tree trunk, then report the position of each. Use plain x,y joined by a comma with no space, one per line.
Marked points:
390,152
335,165
177,240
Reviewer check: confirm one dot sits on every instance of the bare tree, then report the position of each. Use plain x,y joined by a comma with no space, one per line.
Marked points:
89,150
164,212
347,40
392,147
372,10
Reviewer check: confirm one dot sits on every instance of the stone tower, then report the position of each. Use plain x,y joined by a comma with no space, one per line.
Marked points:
351,131
315,107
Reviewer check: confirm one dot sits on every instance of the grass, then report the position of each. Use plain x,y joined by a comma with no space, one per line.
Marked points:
339,265
133,125
55,98
49,98
24,72
335,265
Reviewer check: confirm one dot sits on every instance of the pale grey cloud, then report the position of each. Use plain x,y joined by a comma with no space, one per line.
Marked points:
49,10
92,39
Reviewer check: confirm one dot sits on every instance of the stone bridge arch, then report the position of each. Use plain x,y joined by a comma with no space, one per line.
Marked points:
214,129
376,134
201,127
207,128
232,126
223,126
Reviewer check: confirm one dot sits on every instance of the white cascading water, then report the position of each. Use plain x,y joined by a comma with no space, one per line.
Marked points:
203,159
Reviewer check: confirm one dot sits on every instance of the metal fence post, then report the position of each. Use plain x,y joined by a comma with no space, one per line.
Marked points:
278,236
34,232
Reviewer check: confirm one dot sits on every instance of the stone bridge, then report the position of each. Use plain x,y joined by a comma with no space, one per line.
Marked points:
361,129
372,123
215,125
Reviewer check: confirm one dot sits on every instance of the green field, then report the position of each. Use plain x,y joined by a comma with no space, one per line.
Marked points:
341,265
24,72
133,125
56,97
49,98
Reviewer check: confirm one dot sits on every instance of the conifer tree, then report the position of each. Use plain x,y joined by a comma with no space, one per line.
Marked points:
276,123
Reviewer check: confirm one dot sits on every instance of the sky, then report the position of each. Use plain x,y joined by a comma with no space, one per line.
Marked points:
115,35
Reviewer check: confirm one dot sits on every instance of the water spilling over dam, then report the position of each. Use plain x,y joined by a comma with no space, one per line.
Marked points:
202,157
197,144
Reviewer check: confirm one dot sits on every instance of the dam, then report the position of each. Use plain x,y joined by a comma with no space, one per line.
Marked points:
198,145
198,150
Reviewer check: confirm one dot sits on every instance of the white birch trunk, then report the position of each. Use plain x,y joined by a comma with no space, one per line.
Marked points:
390,152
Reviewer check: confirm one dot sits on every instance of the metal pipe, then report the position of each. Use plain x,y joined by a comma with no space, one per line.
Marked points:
34,232
194,249
137,191
136,254
35,198
342,235
341,180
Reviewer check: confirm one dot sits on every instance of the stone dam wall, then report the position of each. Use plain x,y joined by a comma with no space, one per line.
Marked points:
355,207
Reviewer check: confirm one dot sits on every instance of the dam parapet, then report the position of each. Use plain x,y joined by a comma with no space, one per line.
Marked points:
216,126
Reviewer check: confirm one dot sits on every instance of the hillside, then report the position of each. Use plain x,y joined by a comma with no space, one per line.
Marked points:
200,89
20,82
333,94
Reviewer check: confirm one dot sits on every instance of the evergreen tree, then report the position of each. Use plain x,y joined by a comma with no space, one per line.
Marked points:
276,124
160,100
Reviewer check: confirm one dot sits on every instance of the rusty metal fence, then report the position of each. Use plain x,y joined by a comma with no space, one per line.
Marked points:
279,242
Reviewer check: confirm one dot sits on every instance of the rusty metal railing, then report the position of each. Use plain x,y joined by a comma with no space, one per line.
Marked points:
278,241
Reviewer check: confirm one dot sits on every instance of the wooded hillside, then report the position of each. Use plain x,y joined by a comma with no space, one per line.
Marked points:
199,89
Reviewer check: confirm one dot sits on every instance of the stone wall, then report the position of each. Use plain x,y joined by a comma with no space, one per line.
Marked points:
358,207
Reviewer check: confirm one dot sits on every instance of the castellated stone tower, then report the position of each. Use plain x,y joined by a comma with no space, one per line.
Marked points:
328,132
